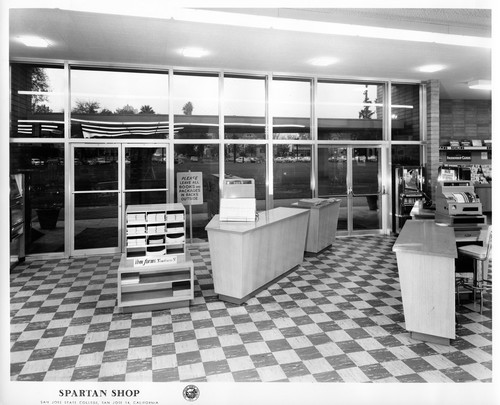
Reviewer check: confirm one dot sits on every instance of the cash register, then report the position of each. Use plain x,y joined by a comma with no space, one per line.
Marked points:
457,205
238,202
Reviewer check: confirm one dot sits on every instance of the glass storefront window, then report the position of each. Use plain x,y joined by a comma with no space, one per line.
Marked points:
37,101
349,111
291,108
248,162
292,173
204,159
125,105
43,167
406,155
195,101
405,112
244,107
119,104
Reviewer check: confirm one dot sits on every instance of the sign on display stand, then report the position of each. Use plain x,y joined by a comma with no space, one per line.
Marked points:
190,192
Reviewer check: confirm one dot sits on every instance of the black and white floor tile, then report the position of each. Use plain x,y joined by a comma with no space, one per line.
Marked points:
338,317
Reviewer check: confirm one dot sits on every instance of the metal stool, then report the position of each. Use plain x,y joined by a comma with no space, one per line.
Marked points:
481,256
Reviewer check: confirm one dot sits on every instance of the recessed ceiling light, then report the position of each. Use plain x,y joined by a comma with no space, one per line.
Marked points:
34,42
480,84
431,68
193,52
323,61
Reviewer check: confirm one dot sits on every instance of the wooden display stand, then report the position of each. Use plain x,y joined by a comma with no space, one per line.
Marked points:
322,226
156,269
247,257
426,255
155,286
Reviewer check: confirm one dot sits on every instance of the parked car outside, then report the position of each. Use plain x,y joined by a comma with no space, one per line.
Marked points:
52,161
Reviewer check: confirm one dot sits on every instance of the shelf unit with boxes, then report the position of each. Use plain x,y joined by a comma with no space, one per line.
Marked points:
156,268
474,161
155,230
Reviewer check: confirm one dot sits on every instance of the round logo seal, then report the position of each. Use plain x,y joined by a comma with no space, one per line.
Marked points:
191,393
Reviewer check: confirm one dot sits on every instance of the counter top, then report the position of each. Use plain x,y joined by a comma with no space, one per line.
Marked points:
426,237
265,218
420,212
315,203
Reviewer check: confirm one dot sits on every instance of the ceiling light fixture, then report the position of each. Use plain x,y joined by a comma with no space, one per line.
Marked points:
323,61
157,9
319,27
194,52
36,42
480,84
431,68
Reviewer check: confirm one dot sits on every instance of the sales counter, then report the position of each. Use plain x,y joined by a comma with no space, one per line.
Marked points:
322,226
249,256
426,254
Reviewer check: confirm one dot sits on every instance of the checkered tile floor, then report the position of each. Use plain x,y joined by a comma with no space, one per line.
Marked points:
338,317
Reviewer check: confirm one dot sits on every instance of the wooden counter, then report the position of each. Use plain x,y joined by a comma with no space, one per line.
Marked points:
322,226
426,255
248,256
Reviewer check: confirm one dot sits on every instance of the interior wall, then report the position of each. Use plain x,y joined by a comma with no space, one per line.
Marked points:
464,120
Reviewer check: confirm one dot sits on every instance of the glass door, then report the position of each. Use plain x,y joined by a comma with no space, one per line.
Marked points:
144,169
96,199
352,174
332,179
145,174
365,190
105,180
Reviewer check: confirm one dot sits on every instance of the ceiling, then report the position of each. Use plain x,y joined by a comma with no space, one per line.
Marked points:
148,37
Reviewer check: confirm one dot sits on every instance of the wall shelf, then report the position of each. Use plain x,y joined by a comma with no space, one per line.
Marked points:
465,148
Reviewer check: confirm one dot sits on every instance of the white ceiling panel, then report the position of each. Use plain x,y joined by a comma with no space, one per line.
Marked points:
145,41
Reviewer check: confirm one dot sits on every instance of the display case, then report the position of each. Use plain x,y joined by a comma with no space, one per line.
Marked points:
407,188
17,218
